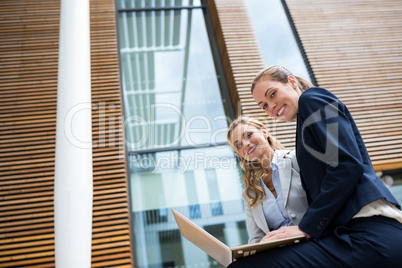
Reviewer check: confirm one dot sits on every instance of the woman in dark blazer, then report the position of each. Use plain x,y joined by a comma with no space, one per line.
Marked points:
273,195
352,219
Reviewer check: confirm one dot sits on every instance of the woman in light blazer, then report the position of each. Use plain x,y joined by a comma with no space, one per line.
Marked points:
273,195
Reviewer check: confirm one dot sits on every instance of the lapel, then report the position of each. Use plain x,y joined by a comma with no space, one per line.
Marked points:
285,174
260,220
258,215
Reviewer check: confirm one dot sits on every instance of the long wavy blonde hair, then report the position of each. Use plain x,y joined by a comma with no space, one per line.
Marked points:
253,171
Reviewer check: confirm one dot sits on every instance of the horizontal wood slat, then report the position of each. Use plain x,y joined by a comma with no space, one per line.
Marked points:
237,45
111,233
242,60
355,50
28,92
28,73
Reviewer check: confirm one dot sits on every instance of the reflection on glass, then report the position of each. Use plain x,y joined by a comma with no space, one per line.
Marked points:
393,179
203,185
217,231
170,248
396,190
172,98
171,90
185,171
139,4
277,42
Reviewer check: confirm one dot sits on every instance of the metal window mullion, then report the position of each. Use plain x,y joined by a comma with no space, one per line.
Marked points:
160,8
178,148
131,131
129,65
171,34
153,26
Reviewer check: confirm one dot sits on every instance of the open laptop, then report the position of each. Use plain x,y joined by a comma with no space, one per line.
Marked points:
219,251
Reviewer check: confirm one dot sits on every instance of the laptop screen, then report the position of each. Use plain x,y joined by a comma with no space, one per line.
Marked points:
202,239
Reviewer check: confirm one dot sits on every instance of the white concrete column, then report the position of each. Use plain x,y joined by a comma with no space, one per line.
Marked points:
73,170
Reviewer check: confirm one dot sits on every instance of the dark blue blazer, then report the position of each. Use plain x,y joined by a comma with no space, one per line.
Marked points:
335,167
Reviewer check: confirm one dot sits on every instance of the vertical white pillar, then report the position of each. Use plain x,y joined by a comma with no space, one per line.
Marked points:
73,170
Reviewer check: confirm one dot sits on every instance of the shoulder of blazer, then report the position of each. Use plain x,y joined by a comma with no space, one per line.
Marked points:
251,192
316,98
283,154
291,154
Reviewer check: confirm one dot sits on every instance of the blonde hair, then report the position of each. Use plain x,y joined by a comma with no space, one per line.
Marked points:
253,171
280,74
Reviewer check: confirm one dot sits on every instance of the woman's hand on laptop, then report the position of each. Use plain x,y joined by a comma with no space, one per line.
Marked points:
284,232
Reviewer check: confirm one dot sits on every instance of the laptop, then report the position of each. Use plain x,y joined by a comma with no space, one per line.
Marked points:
218,250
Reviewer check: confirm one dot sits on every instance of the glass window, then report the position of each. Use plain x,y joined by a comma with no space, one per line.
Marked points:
182,180
171,89
277,41
141,4
175,128
393,180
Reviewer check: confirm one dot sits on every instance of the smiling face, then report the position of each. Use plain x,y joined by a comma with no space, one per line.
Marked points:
251,143
277,99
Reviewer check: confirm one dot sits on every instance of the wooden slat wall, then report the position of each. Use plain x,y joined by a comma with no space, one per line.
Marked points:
28,87
111,231
355,50
242,60
238,48
28,91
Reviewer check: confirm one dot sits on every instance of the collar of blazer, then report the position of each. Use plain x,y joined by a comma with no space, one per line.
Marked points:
285,173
